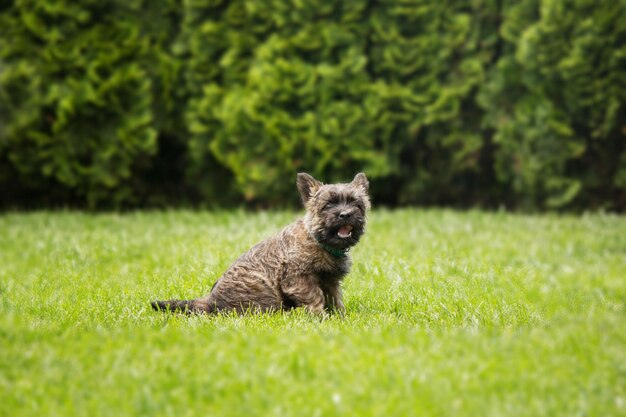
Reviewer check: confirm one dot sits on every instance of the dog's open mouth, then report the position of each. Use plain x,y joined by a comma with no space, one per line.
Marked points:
345,232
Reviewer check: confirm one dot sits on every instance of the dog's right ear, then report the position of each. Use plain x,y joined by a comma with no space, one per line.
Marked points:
307,186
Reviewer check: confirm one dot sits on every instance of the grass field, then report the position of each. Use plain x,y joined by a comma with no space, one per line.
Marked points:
448,313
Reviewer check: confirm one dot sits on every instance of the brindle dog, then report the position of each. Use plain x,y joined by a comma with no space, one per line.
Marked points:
302,266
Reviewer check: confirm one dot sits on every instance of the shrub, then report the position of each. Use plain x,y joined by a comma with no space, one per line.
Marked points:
488,102
556,102
76,96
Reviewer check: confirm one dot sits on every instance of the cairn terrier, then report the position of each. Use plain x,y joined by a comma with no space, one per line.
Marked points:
302,266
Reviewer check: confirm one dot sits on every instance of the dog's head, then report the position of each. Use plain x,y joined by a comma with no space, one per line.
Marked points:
335,213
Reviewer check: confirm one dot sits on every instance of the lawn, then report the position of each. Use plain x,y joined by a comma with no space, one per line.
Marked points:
448,313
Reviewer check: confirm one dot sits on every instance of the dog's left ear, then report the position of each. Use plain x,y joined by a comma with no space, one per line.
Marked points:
307,186
360,180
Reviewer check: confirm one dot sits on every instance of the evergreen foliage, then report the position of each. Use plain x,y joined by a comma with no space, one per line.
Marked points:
487,102
556,101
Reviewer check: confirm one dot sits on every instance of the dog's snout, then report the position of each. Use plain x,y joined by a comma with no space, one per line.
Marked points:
345,214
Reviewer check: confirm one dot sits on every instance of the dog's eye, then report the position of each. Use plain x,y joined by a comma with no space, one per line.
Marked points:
330,204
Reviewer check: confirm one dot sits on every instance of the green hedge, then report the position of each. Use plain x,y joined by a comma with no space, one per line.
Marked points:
489,102
556,103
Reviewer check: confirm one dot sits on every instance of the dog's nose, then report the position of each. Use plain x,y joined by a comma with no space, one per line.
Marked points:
344,215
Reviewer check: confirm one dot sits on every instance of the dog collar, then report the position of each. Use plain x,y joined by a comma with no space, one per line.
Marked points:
337,253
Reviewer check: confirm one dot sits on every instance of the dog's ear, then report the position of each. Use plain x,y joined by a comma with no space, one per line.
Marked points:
307,186
360,180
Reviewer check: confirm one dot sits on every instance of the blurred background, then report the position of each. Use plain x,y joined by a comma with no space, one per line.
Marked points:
108,104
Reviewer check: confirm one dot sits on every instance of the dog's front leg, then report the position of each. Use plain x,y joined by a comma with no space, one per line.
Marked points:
304,292
336,299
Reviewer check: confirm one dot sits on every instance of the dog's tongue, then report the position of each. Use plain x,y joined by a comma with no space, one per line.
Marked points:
344,231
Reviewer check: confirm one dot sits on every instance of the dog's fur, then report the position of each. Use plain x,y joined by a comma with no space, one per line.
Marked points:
302,266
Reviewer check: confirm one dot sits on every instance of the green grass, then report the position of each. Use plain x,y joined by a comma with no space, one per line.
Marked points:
448,313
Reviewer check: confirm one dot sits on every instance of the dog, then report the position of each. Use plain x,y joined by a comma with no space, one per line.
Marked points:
302,266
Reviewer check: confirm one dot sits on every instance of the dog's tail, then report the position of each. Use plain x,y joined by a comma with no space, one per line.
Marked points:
197,306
